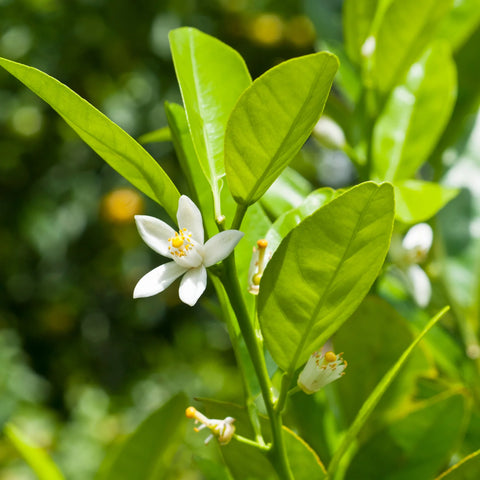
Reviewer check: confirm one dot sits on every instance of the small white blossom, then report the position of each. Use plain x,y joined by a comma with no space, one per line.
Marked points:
321,370
329,133
407,255
222,429
260,258
369,46
186,248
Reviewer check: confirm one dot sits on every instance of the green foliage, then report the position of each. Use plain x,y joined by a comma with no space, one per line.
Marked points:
302,300
400,145
466,469
112,143
272,120
36,457
148,452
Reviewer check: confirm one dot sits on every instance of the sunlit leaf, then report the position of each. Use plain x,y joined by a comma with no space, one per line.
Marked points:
211,76
160,135
322,270
404,31
112,143
414,118
417,201
36,457
272,120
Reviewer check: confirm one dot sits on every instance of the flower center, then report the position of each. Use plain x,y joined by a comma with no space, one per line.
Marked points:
181,243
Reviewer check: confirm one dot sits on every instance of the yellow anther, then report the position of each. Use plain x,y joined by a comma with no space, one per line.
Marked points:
330,357
190,412
177,241
256,279
262,243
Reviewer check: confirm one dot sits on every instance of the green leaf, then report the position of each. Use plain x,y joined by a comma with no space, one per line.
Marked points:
272,120
198,186
160,135
112,143
286,192
373,399
290,219
246,462
403,32
414,118
147,452
357,18
417,201
212,76
465,469
39,461
461,22
305,298
384,337
416,444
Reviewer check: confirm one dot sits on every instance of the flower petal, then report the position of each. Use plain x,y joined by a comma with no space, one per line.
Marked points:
154,233
158,279
419,236
220,246
189,217
193,284
420,286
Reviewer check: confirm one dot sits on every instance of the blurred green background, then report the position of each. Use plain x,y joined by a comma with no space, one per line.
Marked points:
81,362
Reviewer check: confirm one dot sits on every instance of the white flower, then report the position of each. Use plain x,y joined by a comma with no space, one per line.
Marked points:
329,133
186,248
257,266
413,250
222,429
321,370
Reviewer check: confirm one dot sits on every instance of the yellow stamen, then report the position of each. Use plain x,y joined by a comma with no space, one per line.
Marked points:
190,412
330,357
177,241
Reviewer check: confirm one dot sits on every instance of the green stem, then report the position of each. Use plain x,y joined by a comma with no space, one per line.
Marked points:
277,453
239,214
247,441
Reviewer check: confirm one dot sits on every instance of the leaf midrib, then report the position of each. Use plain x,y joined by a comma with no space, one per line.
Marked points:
291,368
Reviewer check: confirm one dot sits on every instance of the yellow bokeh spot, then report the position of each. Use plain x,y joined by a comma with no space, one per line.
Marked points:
330,357
177,241
119,206
266,29
300,31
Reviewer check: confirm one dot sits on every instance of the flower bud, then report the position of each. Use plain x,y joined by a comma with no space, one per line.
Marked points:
329,134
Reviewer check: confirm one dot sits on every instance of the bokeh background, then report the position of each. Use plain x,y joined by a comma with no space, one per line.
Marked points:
81,362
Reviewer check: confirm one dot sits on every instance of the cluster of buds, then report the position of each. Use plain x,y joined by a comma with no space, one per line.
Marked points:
222,429
259,261
320,370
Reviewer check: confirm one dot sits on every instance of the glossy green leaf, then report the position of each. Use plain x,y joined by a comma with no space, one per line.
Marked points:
417,201
147,452
290,219
357,18
36,457
272,120
246,462
414,118
373,399
403,32
212,76
460,23
112,143
160,135
416,445
286,192
305,298
465,469
199,190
